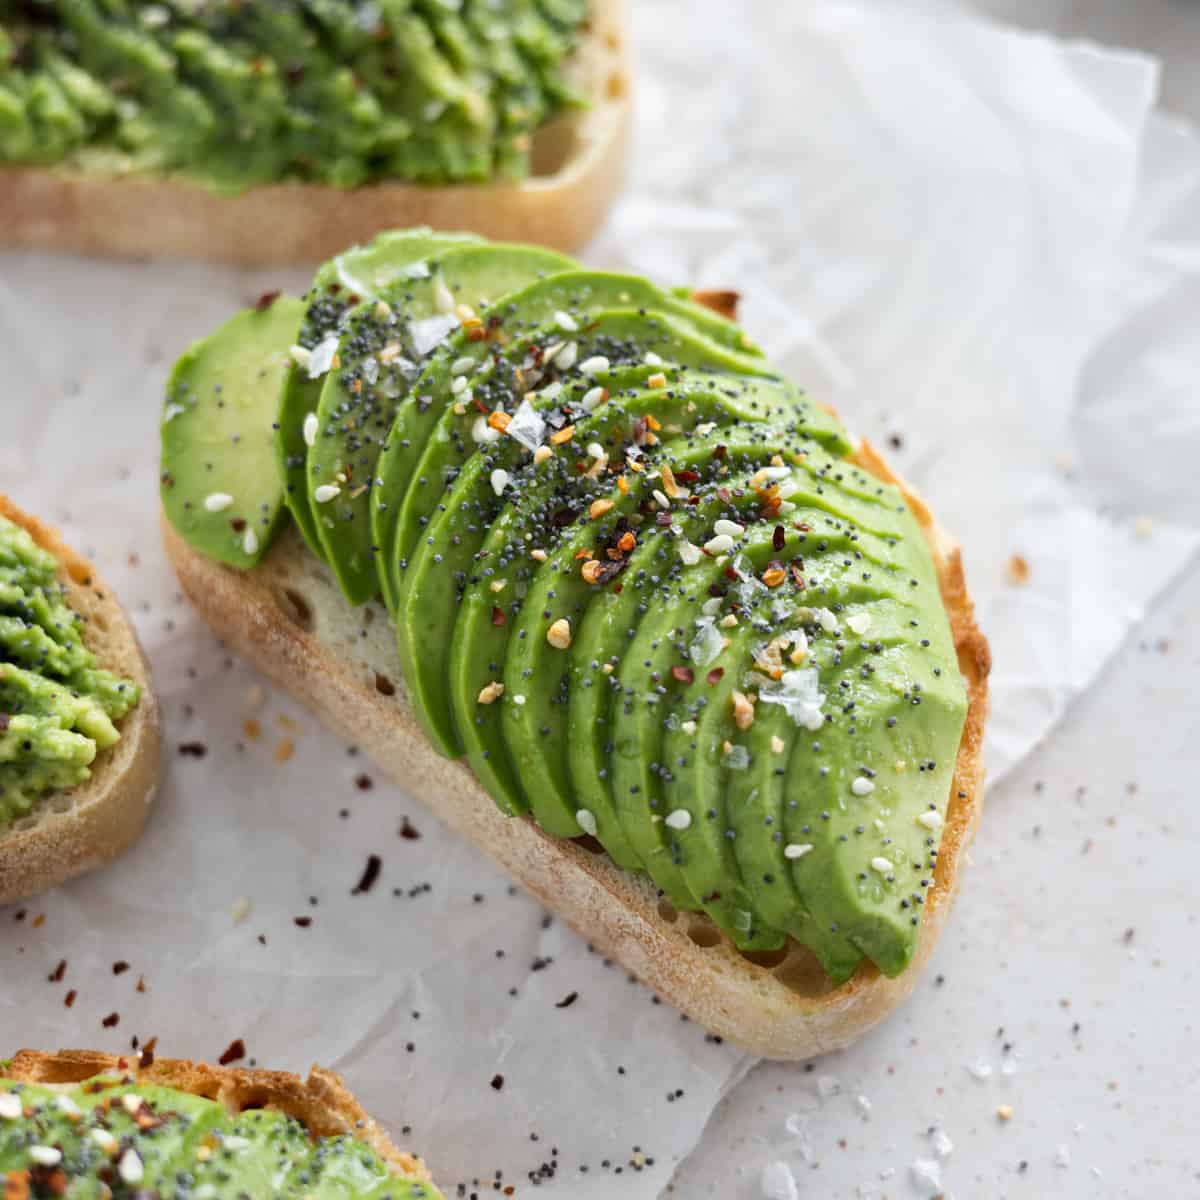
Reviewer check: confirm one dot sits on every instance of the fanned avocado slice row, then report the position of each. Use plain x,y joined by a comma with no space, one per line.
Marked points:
593,552
220,485
548,498
427,589
339,286
553,310
712,737
652,587
382,348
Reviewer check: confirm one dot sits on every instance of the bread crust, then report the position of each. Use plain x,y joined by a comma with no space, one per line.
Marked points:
287,618
70,832
278,224
321,1103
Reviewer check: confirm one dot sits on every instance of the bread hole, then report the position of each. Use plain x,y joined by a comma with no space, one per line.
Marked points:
801,973
612,39
586,842
667,911
703,934
99,621
296,608
767,959
615,88
383,685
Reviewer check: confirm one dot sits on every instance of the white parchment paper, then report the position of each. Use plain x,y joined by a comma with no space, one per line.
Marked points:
981,245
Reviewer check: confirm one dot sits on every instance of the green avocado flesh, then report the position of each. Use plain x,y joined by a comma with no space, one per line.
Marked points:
107,1137
57,707
636,578
339,92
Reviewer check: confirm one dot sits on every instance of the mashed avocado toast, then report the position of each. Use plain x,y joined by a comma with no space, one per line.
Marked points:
90,1125
78,724
233,95
274,132
656,599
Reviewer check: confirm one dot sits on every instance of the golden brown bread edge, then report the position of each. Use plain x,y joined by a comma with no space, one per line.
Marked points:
70,832
775,1006
321,1103
578,168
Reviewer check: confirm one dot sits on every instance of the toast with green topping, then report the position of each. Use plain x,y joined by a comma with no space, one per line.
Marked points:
81,1123
79,725
686,657
277,133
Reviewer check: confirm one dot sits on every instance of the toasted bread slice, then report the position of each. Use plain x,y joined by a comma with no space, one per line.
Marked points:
577,168
73,831
288,617
321,1103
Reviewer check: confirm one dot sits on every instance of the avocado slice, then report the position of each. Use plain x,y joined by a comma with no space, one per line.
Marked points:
220,484
557,308
542,493
538,733
339,286
382,347
426,591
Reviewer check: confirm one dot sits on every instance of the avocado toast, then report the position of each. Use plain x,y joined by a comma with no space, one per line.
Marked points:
278,132
713,664
80,1123
79,722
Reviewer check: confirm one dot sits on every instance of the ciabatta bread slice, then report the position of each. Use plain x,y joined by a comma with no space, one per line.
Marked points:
577,172
288,618
75,830
321,1103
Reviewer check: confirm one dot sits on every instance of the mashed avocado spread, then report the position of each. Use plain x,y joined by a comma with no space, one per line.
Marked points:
638,579
57,708
110,1138
233,94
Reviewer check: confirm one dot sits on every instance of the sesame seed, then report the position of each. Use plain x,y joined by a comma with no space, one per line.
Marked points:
500,479
130,1167
311,425
862,786
565,322
586,821
794,850
10,1106
250,542
882,865
679,819
326,492
217,502
594,366
931,819
45,1156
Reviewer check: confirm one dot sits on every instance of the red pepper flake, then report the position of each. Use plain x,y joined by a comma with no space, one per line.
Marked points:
498,617
683,674
369,876
233,1052
69,998
715,675
567,1000
266,300
47,1181
39,920
364,783
497,1082
408,831
778,538
111,1021
141,984
796,567
724,495
302,922
193,749
56,976
120,967
687,477
146,1058
720,451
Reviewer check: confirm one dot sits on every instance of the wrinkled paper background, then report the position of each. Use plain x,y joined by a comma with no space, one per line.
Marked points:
982,245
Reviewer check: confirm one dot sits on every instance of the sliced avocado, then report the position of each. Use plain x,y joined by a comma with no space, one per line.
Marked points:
382,348
538,733
427,588
561,306
339,286
220,483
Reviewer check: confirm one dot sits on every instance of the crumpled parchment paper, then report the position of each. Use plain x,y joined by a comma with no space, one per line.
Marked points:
981,245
